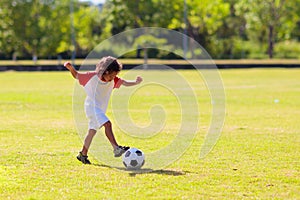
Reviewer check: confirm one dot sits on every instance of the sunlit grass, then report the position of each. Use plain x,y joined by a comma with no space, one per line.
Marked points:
256,157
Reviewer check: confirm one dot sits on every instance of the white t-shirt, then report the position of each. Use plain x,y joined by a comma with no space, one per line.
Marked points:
98,92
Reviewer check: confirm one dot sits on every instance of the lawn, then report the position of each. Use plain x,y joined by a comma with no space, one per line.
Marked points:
256,157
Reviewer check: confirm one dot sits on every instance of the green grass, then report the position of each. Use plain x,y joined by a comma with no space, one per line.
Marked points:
256,157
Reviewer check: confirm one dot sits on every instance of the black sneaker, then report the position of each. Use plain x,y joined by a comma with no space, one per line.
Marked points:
120,150
83,159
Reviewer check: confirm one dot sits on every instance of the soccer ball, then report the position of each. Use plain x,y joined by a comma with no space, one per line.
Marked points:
133,159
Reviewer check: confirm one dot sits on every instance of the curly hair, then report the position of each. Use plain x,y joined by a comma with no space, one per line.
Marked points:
108,64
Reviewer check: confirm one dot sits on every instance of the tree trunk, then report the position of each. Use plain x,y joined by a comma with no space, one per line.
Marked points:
145,66
271,41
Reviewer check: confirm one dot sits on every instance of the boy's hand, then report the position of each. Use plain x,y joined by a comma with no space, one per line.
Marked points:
132,83
138,80
68,65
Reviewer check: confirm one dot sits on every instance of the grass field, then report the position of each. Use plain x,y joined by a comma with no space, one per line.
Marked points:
256,157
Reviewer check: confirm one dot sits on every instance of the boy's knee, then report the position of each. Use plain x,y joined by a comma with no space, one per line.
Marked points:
92,132
107,124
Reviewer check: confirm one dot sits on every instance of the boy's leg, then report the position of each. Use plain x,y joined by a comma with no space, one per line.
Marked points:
109,134
87,141
82,156
118,150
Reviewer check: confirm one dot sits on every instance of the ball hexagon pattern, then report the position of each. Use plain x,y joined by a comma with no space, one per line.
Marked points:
133,159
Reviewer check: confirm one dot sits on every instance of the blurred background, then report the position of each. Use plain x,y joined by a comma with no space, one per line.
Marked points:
227,29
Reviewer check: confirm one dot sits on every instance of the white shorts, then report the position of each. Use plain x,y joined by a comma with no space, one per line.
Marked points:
95,116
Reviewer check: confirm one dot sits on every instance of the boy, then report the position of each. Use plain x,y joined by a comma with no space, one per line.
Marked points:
98,86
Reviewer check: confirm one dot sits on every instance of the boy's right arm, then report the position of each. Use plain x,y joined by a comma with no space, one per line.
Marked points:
73,71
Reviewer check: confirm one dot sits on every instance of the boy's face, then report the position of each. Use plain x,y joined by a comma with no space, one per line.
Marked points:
107,77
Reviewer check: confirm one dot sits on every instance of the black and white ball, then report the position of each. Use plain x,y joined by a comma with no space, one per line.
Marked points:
133,159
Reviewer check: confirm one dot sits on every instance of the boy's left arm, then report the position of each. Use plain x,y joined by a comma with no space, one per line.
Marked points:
132,83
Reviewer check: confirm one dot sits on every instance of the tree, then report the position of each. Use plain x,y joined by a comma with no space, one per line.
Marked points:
119,15
269,21
42,28
204,20
27,27
8,41
230,34
87,28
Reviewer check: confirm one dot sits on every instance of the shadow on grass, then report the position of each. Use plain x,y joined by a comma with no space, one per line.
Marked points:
145,171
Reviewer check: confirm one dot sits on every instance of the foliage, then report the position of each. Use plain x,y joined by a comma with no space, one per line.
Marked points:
42,28
204,21
37,26
269,21
287,49
7,39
